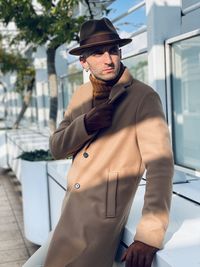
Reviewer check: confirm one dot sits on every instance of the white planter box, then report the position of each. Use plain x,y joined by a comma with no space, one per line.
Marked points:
35,200
17,142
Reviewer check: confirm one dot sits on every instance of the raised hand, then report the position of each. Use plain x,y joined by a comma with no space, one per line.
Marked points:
99,117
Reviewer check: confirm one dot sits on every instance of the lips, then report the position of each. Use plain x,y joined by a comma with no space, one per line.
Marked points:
109,70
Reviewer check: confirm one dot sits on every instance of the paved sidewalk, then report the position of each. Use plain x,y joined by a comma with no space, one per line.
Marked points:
14,248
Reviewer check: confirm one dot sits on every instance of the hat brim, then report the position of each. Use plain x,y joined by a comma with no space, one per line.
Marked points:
79,50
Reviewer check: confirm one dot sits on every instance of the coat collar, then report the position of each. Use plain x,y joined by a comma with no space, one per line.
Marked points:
121,86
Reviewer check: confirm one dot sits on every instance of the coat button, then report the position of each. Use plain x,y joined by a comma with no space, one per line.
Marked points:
85,155
77,186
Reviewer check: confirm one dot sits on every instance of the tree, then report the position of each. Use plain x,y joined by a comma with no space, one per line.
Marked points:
14,62
51,23
24,84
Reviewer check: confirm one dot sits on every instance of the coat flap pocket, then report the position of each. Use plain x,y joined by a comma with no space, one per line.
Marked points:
111,197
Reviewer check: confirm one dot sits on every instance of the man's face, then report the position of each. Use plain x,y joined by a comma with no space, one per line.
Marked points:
102,61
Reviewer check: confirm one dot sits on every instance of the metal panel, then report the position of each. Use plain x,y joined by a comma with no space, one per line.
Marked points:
188,3
191,20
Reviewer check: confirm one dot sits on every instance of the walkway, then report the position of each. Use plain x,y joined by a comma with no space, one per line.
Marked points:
14,248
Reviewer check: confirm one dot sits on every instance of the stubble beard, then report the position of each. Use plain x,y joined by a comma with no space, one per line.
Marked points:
104,79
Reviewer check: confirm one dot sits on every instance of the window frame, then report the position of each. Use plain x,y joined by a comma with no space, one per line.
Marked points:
136,53
168,53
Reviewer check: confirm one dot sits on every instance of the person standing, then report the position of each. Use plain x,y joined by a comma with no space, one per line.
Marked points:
115,129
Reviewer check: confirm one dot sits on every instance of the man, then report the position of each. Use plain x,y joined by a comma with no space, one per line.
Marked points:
114,128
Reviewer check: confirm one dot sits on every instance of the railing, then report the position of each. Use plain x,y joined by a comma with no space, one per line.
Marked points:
129,11
190,8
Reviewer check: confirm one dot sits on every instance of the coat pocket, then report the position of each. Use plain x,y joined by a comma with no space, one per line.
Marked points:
111,194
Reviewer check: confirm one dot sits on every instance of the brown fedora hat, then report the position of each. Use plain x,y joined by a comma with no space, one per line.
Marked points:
97,32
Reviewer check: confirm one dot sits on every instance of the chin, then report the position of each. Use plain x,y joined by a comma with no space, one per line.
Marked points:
109,77
106,77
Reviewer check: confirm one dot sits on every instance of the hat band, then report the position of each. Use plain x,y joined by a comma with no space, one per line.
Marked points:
100,38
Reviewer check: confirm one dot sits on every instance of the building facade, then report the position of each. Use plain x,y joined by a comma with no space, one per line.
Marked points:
165,53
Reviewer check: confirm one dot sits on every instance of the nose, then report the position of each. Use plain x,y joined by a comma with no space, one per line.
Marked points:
107,57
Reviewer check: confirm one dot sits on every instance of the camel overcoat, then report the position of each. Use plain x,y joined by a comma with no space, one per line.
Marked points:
105,173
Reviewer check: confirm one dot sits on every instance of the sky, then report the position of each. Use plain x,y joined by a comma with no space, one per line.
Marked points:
131,22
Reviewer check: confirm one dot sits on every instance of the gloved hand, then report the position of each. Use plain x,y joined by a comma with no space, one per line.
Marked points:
99,117
139,254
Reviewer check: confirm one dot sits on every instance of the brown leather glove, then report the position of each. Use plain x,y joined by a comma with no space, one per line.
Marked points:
139,254
99,117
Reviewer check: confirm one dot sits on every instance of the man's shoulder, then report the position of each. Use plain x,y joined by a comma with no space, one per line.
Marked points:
83,88
81,95
141,87
140,91
82,92
136,86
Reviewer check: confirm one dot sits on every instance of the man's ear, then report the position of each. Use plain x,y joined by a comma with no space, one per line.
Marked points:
83,62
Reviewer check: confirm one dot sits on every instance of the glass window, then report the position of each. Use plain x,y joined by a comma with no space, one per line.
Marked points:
69,83
186,102
138,66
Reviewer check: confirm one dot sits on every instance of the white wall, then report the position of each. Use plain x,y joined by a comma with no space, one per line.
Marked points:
163,22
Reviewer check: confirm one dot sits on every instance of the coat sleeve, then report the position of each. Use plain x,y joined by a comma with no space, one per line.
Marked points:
70,136
156,153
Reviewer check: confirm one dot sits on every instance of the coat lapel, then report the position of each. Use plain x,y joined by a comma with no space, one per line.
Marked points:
116,94
119,89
